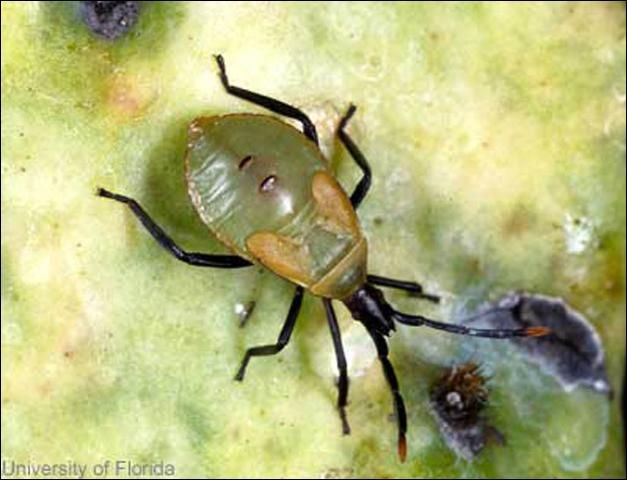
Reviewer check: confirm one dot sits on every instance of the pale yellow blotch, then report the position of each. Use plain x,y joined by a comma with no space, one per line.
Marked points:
333,204
127,96
281,255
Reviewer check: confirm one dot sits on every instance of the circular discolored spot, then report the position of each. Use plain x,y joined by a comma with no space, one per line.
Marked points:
268,184
109,19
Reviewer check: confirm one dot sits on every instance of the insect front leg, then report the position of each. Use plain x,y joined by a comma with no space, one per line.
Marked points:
284,336
270,103
361,190
342,385
196,259
359,193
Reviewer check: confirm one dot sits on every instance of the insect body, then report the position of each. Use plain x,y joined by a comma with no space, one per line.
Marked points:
265,191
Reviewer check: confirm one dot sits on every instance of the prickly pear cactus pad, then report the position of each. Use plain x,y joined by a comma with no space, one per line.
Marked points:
496,136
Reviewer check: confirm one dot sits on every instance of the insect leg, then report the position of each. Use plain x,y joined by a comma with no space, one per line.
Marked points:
412,287
284,336
364,184
196,259
390,376
271,104
341,364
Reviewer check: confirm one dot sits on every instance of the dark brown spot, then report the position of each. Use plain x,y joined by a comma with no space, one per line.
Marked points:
268,184
245,162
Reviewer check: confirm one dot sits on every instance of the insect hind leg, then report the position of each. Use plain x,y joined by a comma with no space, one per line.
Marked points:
270,103
191,258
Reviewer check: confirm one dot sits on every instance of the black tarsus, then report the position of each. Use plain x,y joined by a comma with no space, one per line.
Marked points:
415,289
342,399
364,184
271,104
191,258
284,336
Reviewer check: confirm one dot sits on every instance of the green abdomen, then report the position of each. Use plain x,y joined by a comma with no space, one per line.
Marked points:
253,173
228,160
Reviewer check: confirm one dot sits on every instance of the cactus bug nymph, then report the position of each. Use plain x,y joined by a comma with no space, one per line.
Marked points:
264,189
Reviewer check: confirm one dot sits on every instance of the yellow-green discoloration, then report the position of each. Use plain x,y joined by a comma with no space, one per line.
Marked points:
490,127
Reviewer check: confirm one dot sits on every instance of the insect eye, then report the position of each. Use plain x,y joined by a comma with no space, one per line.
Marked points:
268,184
245,162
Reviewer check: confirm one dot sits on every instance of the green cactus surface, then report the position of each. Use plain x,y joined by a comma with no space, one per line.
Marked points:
496,136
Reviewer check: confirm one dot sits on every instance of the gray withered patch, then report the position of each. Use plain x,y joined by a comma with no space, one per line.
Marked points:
109,19
572,353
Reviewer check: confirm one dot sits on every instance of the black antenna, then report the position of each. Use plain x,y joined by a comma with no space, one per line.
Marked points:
418,320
